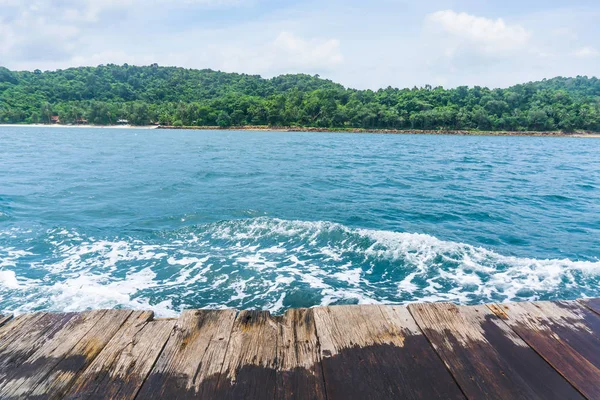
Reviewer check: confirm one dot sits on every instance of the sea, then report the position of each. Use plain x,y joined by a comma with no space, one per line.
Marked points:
168,220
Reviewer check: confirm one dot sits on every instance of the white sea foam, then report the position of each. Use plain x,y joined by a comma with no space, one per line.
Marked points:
8,279
273,264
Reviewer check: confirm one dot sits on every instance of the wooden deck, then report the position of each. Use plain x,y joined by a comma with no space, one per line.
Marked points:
545,350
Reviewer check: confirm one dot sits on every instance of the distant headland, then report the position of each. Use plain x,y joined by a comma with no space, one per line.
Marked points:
111,95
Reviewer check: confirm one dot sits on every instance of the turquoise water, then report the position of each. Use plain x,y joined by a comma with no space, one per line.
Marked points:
169,220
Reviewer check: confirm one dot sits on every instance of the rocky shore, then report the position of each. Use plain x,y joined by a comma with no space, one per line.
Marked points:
387,131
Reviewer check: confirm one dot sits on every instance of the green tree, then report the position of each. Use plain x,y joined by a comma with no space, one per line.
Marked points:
170,95
224,120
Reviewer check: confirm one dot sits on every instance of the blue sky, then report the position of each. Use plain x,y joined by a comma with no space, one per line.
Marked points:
360,44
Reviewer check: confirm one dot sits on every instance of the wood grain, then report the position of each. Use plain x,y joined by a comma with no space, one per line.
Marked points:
378,352
565,334
9,331
488,359
65,371
544,350
592,304
192,357
28,336
20,380
299,373
120,369
249,368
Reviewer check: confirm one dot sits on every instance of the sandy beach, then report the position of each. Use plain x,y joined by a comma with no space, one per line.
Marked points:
79,126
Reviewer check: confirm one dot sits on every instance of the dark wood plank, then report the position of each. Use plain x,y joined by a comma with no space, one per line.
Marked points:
529,350
249,369
299,373
565,333
192,359
488,359
4,319
378,352
22,378
63,373
592,304
120,369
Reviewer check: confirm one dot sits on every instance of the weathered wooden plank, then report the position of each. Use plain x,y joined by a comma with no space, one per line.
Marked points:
29,336
22,378
249,369
378,352
539,350
487,359
192,359
565,333
299,373
8,331
5,318
592,304
120,369
62,374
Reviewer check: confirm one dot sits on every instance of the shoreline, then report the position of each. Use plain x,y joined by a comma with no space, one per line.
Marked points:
259,128
388,131
79,126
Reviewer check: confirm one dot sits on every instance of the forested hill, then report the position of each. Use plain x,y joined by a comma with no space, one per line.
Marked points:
178,96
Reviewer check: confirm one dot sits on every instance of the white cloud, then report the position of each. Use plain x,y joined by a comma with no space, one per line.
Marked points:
565,32
284,53
488,35
274,37
586,52
95,7
287,53
111,57
35,31
7,38
308,53
50,32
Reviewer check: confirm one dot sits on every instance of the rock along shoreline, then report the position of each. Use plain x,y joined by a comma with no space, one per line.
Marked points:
578,134
386,131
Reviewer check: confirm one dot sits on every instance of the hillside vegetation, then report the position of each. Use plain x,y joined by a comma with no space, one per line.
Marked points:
187,97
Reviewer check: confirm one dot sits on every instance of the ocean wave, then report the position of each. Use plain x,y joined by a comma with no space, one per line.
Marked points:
269,264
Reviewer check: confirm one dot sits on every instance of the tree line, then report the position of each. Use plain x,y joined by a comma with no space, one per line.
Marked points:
186,97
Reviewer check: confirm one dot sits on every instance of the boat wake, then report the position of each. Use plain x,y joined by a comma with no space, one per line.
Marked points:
269,264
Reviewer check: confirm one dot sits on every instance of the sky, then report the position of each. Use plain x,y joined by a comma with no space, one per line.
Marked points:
361,44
